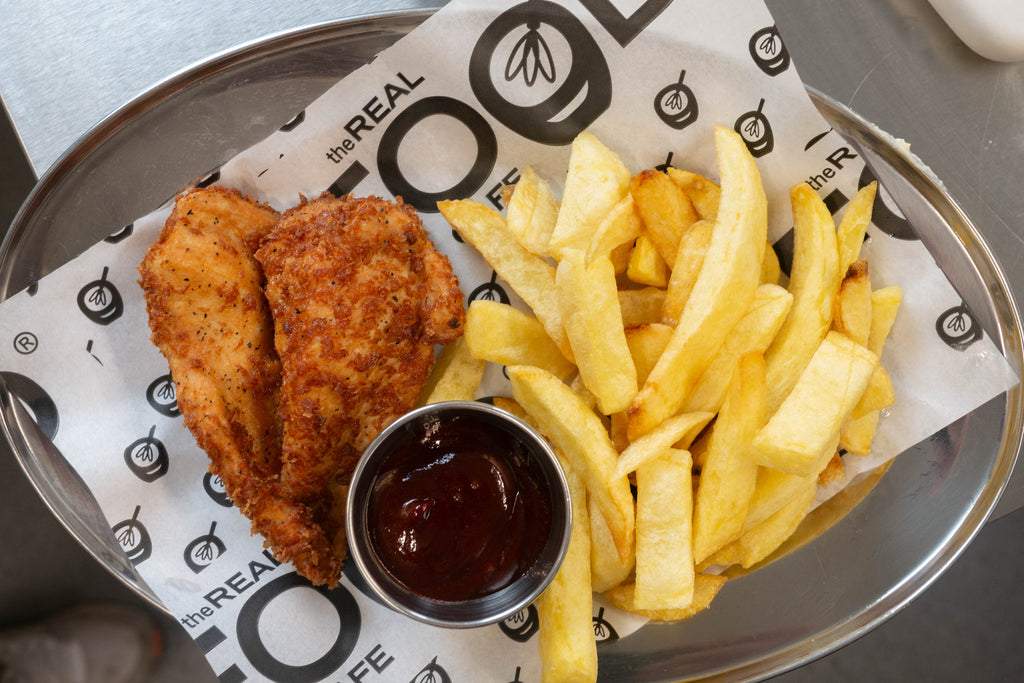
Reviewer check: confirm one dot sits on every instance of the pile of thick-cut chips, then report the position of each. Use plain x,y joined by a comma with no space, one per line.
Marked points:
696,403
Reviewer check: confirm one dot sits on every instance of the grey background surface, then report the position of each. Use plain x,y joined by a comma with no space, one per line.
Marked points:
65,64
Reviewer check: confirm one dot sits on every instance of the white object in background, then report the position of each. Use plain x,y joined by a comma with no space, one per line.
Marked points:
992,28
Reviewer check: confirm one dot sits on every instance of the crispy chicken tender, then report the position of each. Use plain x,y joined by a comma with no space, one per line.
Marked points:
359,297
209,318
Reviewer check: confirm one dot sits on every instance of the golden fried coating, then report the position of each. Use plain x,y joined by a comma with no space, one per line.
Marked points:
209,318
290,357
359,297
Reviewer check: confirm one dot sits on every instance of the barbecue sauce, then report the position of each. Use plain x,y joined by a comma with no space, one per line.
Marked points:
459,512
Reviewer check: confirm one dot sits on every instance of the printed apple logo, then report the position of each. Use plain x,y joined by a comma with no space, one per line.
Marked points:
768,51
530,57
521,626
147,457
676,105
131,534
202,551
753,126
603,630
432,673
490,291
161,395
100,301
958,328
586,83
214,487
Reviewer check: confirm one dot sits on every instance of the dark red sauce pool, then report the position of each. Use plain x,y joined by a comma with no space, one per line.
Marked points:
459,512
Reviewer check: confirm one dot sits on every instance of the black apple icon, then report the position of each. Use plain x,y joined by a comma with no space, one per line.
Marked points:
756,131
100,301
768,51
676,105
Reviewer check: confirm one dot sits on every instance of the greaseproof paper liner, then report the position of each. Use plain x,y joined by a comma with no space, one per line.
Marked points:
455,109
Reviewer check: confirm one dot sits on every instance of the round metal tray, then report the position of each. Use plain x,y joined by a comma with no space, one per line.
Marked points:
875,559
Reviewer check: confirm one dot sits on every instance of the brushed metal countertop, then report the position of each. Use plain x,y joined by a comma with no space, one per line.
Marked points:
66,64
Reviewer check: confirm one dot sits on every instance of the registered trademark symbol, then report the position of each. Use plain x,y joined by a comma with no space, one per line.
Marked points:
25,343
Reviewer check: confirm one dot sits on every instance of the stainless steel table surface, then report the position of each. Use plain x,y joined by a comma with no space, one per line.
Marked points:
65,64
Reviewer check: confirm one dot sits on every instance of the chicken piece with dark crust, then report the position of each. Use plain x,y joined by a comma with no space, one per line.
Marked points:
209,317
359,297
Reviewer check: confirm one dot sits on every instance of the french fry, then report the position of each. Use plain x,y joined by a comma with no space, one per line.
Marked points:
852,308
505,194
595,182
455,376
617,431
593,323
620,257
579,388
705,588
679,431
699,452
607,569
689,259
722,293
774,489
664,509
646,344
664,209
833,472
641,306
852,317
621,226
754,332
729,473
532,212
509,405
771,271
500,333
581,436
646,266
703,193
822,399
884,304
723,396
759,542
814,281
858,433
565,637
854,224
879,395
529,275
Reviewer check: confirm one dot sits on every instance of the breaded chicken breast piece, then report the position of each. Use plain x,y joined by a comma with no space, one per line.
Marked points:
210,319
359,297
